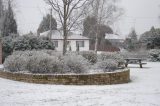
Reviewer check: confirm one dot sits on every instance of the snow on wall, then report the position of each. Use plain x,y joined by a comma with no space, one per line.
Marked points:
118,77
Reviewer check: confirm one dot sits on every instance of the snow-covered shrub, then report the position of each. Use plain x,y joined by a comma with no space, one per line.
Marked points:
108,65
48,62
43,63
34,62
75,64
29,42
8,45
154,55
90,56
53,53
15,63
22,43
111,55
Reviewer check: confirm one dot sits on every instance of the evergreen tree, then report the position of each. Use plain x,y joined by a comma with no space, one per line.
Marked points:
132,41
153,32
151,39
45,24
1,8
9,25
133,36
1,15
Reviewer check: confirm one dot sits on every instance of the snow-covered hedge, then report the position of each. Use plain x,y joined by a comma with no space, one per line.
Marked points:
15,63
30,42
32,61
8,45
76,63
91,56
41,62
45,64
49,61
26,42
108,65
154,55
111,55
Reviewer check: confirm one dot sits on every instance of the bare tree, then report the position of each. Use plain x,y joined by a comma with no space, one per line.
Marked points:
69,12
106,12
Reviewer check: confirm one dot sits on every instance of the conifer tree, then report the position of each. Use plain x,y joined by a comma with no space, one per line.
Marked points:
9,24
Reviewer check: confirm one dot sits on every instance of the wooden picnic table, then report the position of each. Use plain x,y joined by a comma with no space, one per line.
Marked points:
134,61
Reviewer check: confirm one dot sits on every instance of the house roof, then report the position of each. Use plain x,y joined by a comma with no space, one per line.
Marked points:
58,35
114,36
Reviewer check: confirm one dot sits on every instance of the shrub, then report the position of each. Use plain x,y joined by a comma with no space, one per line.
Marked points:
107,65
15,63
44,64
75,64
154,55
90,56
53,53
34,62
7,45
41,62
47,61
29,42
108,55
26,42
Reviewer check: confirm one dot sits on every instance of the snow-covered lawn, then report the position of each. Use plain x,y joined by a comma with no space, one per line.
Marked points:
144,90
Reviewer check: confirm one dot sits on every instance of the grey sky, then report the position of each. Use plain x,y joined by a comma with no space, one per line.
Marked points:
141,14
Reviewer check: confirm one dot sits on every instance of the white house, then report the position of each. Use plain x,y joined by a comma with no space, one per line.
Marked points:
73,40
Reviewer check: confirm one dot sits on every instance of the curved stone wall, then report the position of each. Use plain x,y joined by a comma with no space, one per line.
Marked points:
88,79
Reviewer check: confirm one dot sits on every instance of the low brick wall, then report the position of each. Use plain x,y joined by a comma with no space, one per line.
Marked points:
88,79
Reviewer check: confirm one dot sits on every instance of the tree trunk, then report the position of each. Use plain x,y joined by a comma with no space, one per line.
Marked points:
96,43
65,33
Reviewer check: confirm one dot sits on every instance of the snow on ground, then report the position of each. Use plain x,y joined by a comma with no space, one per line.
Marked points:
144,90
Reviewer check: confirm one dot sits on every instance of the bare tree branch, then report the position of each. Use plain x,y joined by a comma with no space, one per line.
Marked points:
69,12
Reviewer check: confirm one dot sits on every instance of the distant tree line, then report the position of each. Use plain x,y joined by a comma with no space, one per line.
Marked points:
148,40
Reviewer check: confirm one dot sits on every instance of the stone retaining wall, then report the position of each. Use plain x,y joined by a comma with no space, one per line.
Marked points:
89,79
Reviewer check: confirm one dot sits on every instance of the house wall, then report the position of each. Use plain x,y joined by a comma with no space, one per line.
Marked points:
73,45
60,45
74,48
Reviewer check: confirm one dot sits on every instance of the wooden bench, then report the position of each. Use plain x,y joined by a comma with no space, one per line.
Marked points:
134,61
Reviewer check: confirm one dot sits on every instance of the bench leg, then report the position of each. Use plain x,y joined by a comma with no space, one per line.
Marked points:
141,66
126,65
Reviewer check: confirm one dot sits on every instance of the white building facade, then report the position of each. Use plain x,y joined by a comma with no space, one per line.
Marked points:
73,41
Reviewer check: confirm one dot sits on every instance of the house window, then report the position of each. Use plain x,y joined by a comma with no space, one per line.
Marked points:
80,43
55,43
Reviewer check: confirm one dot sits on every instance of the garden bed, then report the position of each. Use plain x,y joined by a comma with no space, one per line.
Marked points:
108,78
